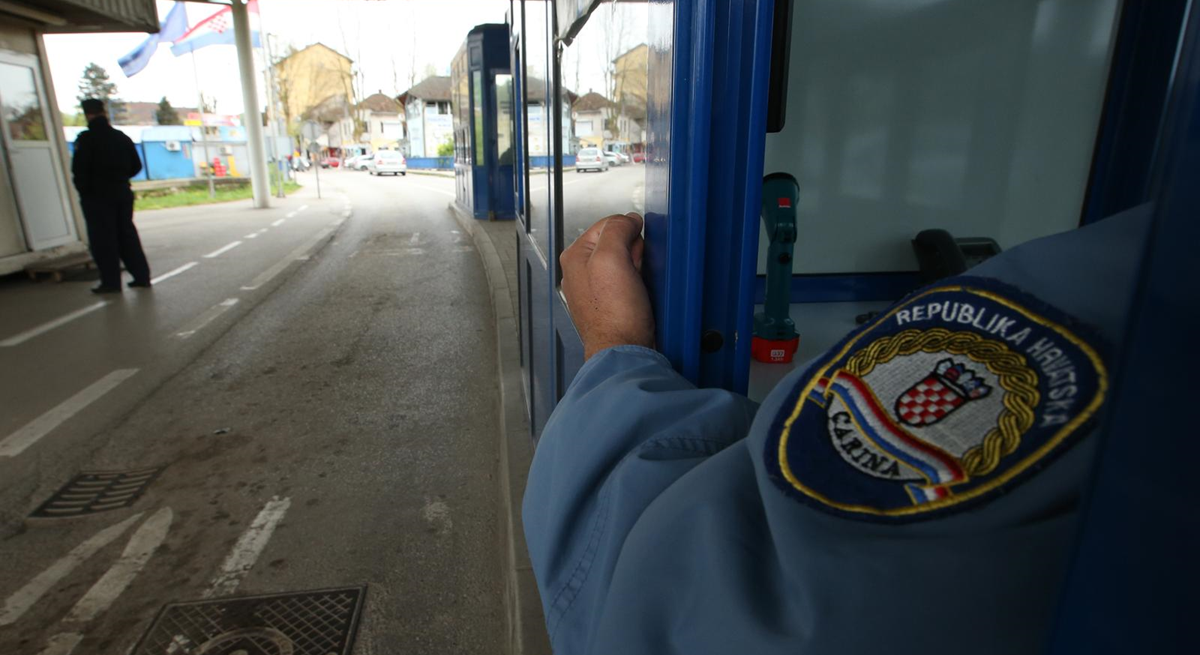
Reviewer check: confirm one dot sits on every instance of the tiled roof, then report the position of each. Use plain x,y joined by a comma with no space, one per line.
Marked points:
436,87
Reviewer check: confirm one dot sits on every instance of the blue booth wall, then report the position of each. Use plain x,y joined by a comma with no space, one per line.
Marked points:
158,162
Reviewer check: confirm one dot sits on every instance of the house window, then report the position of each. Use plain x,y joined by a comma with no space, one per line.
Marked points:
583,128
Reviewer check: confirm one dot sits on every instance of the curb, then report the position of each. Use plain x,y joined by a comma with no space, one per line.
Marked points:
430,173
525,621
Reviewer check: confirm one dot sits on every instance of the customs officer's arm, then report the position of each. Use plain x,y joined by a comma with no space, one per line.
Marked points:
626,429
81,162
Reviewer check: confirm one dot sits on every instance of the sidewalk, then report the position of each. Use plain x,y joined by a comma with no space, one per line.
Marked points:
497,245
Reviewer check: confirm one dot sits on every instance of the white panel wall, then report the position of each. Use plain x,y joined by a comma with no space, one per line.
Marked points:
976,116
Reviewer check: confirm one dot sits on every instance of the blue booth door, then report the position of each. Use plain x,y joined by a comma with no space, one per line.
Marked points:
637,106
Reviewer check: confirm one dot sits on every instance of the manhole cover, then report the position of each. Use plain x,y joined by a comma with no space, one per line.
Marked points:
305,623
97,491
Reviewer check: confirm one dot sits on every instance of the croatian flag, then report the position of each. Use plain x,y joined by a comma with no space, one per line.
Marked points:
170,29
216,30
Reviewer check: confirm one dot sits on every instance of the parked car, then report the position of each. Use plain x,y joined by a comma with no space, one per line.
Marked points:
387,161
359,163
612,158
621,157
300,163
639,157
330,162
590,159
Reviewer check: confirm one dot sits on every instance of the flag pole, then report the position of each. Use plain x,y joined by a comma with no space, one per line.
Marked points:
212,191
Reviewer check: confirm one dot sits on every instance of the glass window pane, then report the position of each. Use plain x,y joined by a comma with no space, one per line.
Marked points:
504,118
603,75
537,122
478,104
22,107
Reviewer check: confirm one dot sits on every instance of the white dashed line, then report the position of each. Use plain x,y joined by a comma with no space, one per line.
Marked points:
172,273
263,230
141,546
21,338
302,208
252,235
416,239
277,268
222,250
15,443
25,597
248,547
207,317
278,222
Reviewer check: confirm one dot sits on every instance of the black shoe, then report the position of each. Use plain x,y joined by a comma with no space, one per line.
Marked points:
106,289
139,285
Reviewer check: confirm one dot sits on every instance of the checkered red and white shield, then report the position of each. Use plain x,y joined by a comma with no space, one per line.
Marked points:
927,402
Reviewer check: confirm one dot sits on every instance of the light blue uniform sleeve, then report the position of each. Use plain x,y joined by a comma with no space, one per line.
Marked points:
628,427
660,518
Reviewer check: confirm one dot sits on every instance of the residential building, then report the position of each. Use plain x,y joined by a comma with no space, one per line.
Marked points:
629,94
316,81
427,113
384,120
39,215
591,115
336,117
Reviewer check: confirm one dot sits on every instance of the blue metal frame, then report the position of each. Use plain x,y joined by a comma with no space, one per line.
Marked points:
1133,106
1132,584
741,65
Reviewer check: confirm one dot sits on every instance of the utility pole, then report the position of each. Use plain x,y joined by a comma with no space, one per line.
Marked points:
212,191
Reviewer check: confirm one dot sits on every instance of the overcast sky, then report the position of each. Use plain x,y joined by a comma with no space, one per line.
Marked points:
381,36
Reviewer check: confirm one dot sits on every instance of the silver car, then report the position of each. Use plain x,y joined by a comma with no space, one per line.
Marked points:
387,161
590,159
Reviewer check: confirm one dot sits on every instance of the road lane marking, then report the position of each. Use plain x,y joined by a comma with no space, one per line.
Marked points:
248,547
207,317
278,222
299,253
223,249
415,240
15,443
429,188
252,235
63,643
18,339
302,208
25,597
141,546
172,273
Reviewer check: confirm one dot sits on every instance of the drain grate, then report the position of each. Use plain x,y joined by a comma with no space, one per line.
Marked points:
306,623
97,491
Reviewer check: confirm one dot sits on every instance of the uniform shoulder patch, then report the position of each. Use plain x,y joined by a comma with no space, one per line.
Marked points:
957,392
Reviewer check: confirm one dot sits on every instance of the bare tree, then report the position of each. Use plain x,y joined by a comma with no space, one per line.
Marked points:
614,26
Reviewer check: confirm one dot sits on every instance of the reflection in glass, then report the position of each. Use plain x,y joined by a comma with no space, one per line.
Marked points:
22,107
603,76
504,120
537,123
478,104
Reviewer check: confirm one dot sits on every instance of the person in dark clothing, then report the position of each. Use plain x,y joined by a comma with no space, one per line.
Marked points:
104,161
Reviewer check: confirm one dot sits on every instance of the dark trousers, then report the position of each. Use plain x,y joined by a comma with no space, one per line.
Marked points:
114,239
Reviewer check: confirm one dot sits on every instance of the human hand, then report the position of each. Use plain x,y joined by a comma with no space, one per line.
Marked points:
602,282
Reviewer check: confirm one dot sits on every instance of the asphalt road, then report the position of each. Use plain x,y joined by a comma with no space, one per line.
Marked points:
322,399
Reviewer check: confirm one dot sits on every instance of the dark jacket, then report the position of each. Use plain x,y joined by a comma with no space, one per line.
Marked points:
104,161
